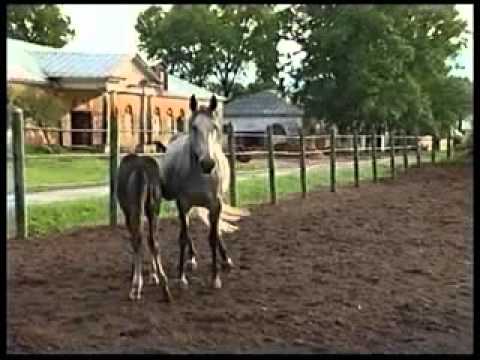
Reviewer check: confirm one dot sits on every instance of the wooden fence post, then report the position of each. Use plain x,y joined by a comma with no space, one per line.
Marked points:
374,155
233,181
417,148
303,173
405,150
434,148
333,144
449,145
19,171
271,165
392,153
355,156
114,160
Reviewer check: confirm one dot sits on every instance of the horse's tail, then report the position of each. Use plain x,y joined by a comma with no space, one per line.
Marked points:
228,215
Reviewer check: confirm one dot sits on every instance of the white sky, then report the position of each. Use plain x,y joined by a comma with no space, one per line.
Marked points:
111,29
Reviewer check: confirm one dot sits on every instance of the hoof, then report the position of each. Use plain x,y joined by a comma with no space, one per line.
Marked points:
217,283
192,264
228,265
153,279
184,282
168,296
134,295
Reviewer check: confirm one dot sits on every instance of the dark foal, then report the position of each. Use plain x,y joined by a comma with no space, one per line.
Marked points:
139,194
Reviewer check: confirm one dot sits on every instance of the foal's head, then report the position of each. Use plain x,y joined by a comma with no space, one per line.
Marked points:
204,133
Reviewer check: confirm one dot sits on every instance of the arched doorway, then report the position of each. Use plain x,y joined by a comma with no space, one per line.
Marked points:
128,133
81,119
181,121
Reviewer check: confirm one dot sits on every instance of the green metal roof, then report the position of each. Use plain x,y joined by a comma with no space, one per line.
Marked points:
35,63
22,65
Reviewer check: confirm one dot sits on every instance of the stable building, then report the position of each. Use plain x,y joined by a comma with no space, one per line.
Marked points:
91,86
250,115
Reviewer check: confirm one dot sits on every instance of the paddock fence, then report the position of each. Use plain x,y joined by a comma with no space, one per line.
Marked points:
276,166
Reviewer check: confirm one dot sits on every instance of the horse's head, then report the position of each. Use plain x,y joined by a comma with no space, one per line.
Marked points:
204,134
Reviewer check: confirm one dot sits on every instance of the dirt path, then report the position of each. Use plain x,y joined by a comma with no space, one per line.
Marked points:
383,268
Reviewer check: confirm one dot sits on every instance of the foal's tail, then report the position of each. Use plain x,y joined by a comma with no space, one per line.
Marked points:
228,215
137,198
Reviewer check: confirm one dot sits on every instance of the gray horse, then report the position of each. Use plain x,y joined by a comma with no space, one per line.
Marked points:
195,174
139,194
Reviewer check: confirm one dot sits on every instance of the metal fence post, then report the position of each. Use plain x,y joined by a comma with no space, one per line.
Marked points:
114,160
333,141
303,173
231,149
405,150
19,171
271,165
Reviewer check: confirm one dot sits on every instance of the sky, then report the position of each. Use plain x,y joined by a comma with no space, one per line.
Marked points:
111,29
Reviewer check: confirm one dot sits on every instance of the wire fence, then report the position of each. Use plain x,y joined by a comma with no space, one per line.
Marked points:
263,167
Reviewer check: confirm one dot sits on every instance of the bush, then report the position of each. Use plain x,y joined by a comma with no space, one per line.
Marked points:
45,109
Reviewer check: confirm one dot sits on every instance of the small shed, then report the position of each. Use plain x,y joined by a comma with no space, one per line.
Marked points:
250,115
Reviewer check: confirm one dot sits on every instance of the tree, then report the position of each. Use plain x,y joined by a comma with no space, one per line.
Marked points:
43,109
203,42
39,24
375,64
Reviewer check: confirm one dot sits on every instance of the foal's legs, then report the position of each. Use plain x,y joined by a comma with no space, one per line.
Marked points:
214,217
155,251
137,279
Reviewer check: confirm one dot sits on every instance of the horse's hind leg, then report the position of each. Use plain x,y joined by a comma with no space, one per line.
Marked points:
227,261
137,280
155,251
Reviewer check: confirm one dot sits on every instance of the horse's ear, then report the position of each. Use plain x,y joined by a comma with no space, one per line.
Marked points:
213,103
193,104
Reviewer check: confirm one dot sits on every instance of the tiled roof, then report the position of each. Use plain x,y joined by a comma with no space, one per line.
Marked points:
267,103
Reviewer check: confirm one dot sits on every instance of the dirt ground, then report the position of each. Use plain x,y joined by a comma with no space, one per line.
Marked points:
386,268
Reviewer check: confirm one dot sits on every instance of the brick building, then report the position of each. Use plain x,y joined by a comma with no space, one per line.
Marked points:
92,85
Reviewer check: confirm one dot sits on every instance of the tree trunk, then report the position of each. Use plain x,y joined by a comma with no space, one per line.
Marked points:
45,133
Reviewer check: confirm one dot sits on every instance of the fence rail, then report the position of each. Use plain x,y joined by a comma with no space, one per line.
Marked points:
337,146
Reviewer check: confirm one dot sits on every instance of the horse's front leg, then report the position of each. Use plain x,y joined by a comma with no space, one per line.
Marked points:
192,261
183,240
227,263
214,236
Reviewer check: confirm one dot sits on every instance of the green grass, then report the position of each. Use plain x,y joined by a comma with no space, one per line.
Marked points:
60,216
45,218
49,173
